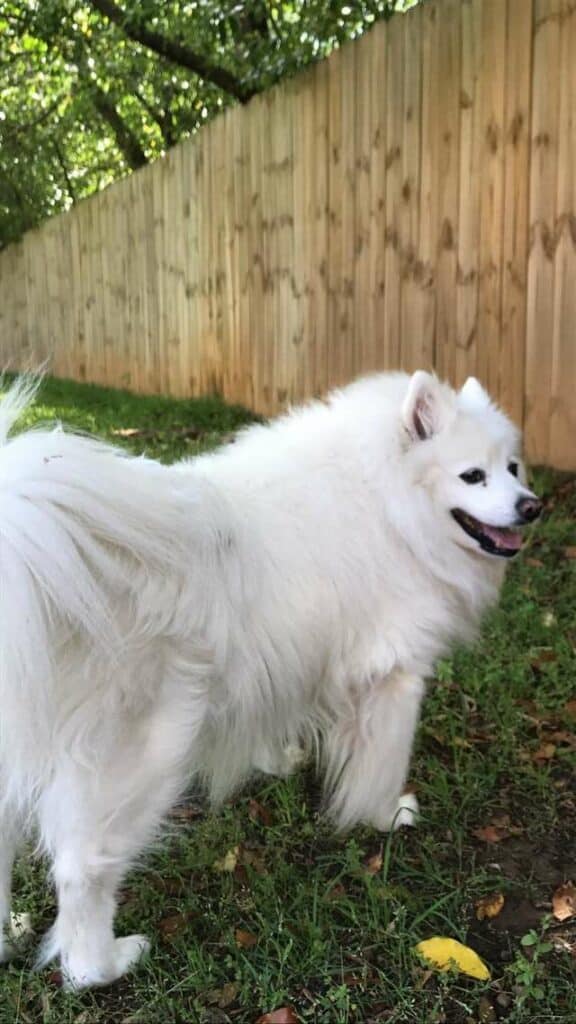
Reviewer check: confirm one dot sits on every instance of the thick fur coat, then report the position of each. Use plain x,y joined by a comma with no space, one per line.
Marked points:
160,625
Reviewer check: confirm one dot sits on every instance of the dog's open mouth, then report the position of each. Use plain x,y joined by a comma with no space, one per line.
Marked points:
495,540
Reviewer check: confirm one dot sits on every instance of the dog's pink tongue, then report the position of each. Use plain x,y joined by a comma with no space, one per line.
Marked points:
508,539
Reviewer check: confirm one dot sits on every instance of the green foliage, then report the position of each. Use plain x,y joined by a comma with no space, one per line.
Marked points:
82,103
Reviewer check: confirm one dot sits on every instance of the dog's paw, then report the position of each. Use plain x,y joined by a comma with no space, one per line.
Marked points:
406,813
128,951
125,953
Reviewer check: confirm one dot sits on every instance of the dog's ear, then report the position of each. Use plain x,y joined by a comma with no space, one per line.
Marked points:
473,394
426,408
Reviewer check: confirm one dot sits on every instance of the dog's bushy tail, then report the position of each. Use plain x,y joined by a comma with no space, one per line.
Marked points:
74,515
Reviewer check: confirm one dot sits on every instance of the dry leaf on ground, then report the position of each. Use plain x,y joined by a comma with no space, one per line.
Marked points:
258,813
335,892
489,906
544,753
448,954
543,656
498,829
173,925
373,864
243,939
285,1015
224,996
564,902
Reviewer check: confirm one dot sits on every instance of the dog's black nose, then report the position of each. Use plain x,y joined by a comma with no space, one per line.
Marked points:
529,509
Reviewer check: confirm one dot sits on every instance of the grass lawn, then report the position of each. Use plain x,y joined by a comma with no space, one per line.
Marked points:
326,925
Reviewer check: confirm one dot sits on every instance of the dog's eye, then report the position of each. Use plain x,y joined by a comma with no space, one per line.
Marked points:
513,468
473,476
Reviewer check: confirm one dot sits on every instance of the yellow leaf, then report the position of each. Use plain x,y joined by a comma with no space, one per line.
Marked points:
446,954
229,862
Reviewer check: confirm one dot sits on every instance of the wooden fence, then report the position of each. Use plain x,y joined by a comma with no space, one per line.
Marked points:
411,201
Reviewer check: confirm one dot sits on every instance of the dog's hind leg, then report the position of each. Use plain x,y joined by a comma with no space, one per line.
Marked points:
367,754
93,825
9,836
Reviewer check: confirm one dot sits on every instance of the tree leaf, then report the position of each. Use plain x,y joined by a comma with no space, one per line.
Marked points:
564,902
285,1015
446,954
490,906
243,939
228,863
258,813
373,864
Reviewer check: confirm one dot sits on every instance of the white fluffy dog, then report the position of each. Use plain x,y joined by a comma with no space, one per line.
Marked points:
162,624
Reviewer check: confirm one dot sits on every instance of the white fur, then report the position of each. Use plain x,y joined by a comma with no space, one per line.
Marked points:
162,624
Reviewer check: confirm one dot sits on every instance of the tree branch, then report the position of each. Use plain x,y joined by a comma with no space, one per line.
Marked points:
64,169
126,140
162,121
174,51
21,129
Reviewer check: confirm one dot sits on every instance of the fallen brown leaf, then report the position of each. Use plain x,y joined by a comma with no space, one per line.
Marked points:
241,875
258,813
564,902
570,708
544,753
336,892
498,829
489,834
252,858
459,741
285,1015
244,940
543,656
352,980
536,563
373,864
421,977
224,996
489,906
570,551
174,924
561,736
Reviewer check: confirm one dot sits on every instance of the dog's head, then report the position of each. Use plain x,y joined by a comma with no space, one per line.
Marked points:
466,454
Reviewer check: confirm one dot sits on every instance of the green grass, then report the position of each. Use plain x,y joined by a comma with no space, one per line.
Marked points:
333,941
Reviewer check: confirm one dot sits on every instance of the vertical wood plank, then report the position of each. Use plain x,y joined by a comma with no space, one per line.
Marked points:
470,191
447,185
395,62
362,252
544,171
514,226
562,437
412,355
428,200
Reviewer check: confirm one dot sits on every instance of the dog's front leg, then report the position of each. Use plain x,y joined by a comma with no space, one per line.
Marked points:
367,753
8,842
83,935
